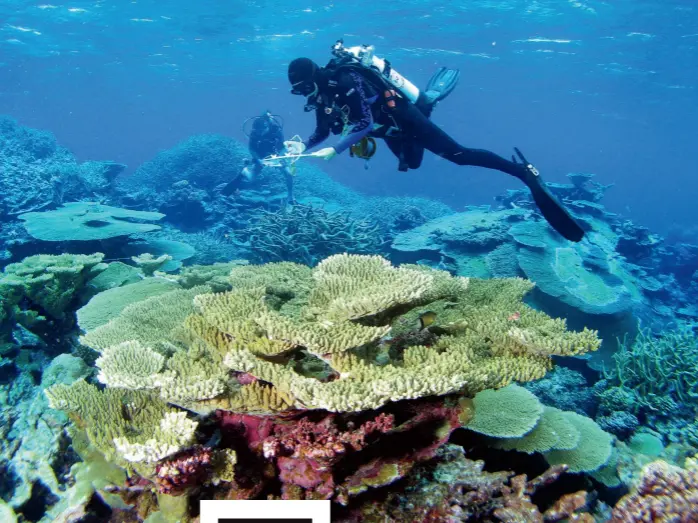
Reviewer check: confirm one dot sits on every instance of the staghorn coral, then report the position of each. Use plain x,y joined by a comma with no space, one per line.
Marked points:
307,234
664,493
664,366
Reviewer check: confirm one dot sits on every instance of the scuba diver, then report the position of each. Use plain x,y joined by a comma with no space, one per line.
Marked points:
266,138
361,97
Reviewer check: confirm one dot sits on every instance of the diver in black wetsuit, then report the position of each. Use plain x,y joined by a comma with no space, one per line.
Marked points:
357,102
265,139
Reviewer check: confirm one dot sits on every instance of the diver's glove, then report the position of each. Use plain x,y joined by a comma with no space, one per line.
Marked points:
294,147
326,154
552,210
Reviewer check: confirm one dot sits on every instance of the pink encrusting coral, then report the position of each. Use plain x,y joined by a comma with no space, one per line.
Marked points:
664,493
336,456
185,470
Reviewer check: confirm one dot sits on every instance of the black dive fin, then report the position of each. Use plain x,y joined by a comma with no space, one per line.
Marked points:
232,186
441,84
551,209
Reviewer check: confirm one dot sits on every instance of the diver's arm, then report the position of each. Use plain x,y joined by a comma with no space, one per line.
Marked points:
359,112
322,131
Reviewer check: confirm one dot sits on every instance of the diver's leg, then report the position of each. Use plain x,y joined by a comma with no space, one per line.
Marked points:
414,153
433,138
289,182
397,147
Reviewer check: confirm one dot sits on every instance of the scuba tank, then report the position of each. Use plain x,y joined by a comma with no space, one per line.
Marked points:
363,55
250,122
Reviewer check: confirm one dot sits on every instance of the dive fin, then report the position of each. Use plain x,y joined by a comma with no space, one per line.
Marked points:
551,209
232,186
441,84
238,182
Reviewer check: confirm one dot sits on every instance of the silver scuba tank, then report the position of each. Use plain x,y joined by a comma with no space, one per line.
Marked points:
364,55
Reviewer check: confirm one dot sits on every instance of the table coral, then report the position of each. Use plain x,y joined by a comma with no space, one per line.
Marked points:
83,221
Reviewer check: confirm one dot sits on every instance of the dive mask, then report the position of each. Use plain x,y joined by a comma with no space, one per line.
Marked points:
303,88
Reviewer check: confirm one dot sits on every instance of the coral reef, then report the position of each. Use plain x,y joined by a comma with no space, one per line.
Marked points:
453,488
292,369
321,380
37,174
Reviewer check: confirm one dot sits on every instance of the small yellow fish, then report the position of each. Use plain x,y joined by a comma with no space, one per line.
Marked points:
426,319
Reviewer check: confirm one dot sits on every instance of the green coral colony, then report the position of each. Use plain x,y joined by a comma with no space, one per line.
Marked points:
339,338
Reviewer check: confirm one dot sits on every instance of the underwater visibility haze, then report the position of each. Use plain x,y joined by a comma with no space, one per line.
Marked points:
450,275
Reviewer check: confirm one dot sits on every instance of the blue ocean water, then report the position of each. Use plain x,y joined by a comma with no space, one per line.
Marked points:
579,86
144,331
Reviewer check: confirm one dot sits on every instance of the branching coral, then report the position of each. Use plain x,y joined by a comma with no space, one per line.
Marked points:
127,426
483,351
307,234
659,367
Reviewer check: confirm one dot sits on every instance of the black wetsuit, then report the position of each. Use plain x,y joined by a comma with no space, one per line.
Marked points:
267,138
351,101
